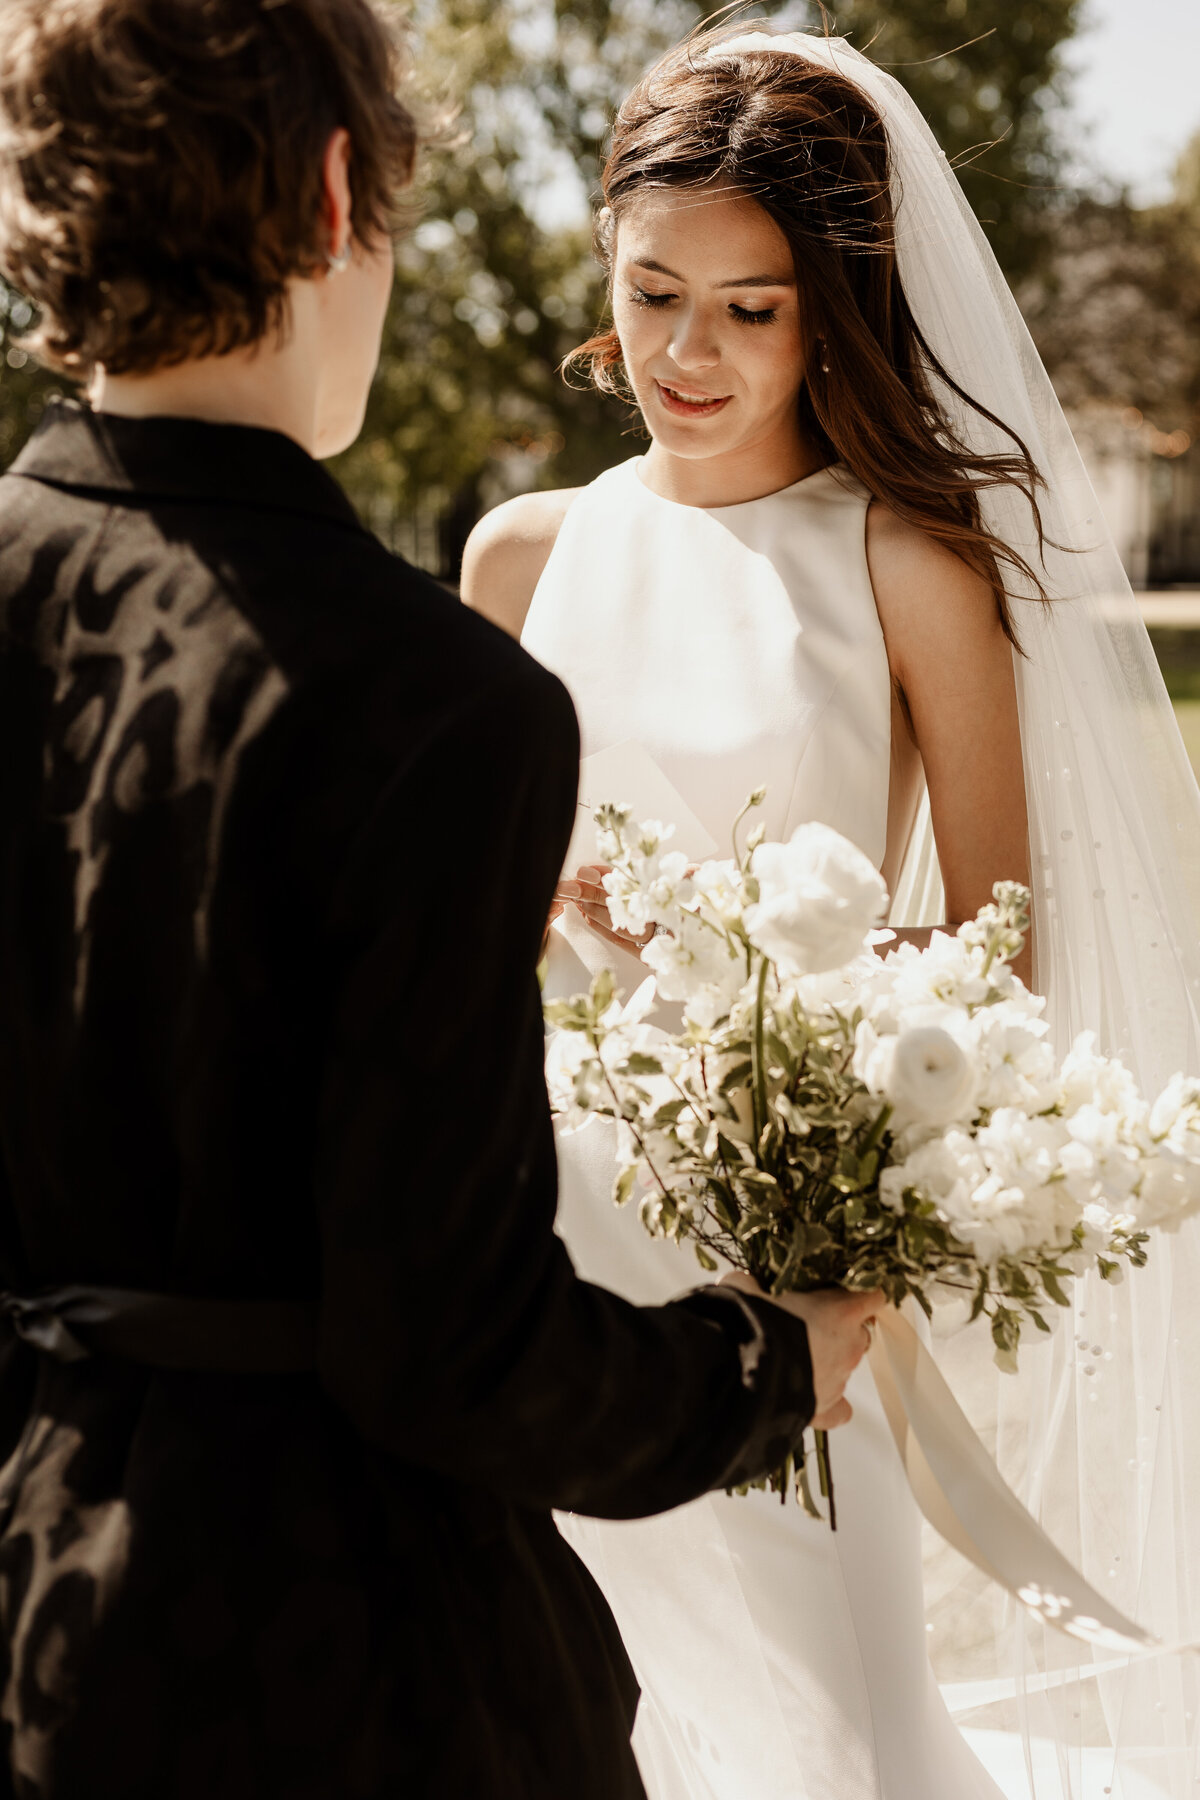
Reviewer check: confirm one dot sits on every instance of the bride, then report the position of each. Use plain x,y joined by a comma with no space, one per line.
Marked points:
859,500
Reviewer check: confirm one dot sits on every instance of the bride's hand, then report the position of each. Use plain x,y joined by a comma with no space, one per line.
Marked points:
839,1336
587,896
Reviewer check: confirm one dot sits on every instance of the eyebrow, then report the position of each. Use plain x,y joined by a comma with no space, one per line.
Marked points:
743,281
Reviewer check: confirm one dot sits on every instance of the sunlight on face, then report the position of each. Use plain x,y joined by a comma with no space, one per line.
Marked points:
706,308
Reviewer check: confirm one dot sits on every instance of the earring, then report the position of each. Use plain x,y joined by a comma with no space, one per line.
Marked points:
824,356
337,265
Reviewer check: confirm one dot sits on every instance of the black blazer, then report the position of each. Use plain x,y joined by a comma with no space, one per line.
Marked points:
279,826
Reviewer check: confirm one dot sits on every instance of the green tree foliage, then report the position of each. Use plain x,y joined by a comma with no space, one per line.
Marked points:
24,387
987,75
1115,305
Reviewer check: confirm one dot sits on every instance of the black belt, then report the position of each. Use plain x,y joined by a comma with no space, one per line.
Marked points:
167,1331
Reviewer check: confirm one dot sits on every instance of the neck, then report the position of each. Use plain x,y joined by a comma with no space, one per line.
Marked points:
731,477
272,384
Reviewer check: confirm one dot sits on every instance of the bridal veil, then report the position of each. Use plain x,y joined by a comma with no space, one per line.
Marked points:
1100,1431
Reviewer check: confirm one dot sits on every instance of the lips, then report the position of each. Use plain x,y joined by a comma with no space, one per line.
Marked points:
686,404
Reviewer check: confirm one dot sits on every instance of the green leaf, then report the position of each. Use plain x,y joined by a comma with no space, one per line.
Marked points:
567,1015
668,1113
624,1184
705,1260
1053,1287
603,989
638,1063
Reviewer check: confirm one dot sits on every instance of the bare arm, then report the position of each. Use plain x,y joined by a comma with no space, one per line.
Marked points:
956,710
506,554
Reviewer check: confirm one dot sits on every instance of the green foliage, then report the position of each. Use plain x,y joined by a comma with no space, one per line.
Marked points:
24,387
1114,306
987,75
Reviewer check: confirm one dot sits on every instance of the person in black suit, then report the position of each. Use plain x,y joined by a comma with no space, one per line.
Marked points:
294,1367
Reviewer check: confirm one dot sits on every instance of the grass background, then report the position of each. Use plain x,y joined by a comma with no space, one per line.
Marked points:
1178,653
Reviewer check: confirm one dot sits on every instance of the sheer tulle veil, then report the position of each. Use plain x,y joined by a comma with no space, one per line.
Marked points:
1100,1432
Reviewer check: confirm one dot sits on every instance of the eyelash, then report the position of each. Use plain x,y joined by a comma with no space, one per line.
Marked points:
743,314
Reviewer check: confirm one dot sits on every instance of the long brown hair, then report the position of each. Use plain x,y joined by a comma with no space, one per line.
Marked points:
808,146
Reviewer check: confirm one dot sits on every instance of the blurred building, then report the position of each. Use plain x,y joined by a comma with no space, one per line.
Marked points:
1148,485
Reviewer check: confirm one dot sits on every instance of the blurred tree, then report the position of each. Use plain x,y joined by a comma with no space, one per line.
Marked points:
24,386
987,74
1115,305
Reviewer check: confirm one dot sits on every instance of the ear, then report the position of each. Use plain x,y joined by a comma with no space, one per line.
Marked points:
338,203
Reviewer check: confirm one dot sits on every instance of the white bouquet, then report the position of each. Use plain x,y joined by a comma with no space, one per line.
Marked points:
824,1115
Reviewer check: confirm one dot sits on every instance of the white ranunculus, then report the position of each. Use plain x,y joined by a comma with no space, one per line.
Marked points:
923,1072
818,897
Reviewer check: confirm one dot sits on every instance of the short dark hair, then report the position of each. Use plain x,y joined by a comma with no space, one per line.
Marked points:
161,164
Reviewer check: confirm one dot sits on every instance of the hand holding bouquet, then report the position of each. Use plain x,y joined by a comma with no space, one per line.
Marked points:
823,1116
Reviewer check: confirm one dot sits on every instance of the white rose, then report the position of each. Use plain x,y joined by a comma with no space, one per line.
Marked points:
818,897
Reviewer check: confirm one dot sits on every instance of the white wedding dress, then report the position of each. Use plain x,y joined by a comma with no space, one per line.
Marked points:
740,645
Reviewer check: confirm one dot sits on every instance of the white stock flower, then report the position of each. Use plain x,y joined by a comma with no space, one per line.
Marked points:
945,1171
1169,1192
1116,1160
990,1208
693,960
651,886
948,972
574,1078
1175,1115
1016,1060
718,885
577,1072
818,897
1089,1079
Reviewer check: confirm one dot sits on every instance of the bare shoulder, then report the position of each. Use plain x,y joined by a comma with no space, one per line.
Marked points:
928,598
506,553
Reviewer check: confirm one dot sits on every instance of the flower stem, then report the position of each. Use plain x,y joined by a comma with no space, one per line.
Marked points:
759,1054
825,1474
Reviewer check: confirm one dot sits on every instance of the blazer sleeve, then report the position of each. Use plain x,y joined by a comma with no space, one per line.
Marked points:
454,1330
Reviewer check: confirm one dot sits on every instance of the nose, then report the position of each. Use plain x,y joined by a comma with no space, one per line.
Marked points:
693,344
